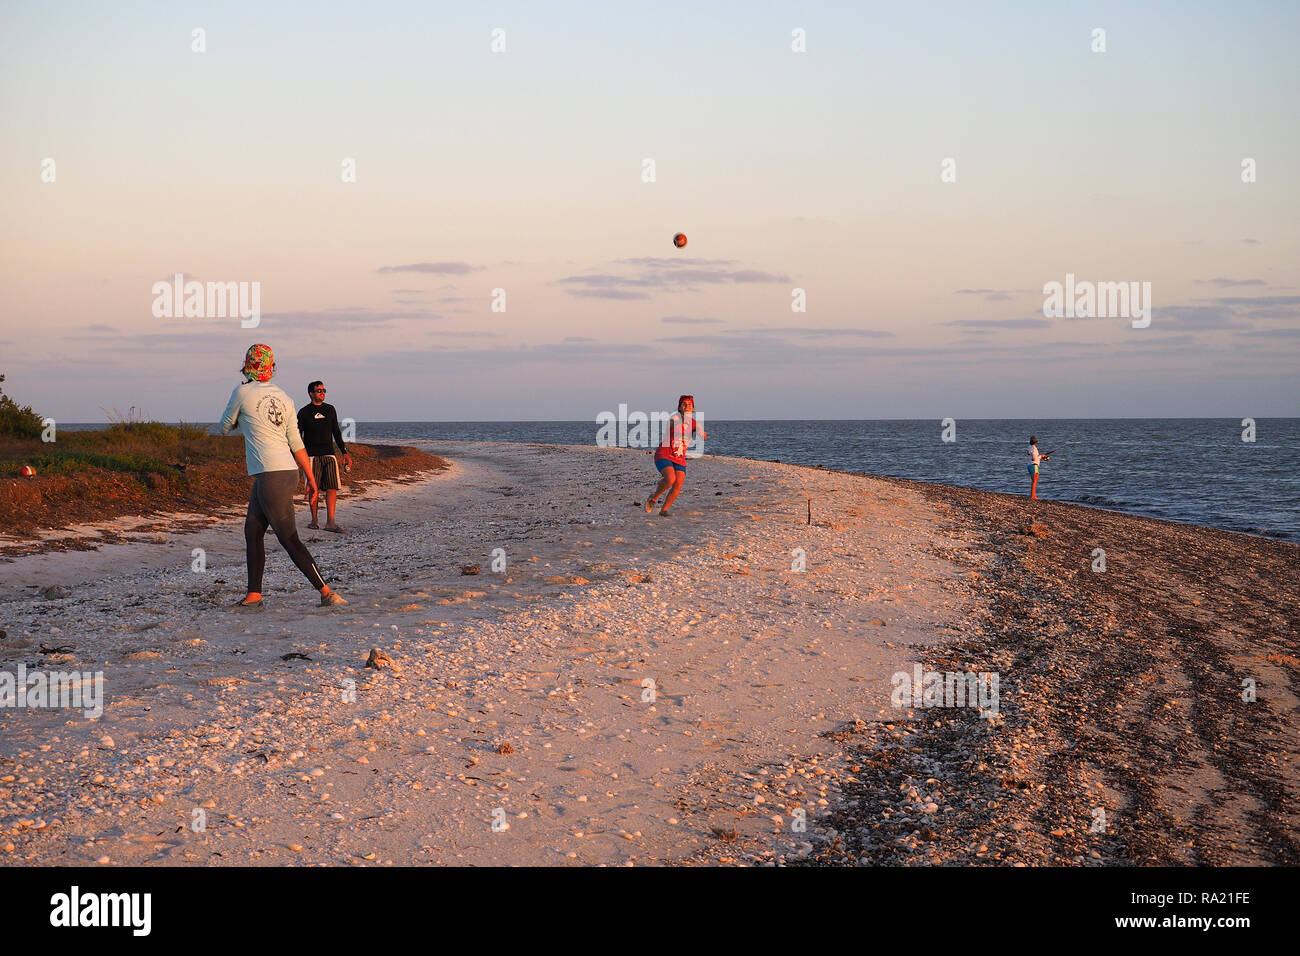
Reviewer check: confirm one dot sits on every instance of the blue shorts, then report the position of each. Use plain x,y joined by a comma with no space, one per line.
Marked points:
1033,469
662,463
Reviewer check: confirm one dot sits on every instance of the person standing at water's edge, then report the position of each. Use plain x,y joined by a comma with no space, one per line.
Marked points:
274,453
319,425
670,457
1034,459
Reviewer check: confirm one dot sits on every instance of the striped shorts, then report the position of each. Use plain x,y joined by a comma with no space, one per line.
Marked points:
326,470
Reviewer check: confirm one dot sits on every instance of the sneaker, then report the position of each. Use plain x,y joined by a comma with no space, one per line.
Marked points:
331,600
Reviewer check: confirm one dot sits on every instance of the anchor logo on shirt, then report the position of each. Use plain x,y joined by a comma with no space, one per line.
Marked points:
274,412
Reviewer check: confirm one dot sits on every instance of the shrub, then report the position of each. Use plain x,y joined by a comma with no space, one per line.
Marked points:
18,421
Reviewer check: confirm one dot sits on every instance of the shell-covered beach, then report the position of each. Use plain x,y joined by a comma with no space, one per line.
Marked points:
615,688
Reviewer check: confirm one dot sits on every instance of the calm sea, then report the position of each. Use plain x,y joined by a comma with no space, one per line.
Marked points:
1183,469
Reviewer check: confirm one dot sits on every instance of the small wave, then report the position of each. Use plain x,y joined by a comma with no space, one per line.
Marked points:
1101,501
1269,533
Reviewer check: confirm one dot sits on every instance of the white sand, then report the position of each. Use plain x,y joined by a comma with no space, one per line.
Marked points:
752,662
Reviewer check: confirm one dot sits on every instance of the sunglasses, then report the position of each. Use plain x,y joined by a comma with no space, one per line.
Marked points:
321,390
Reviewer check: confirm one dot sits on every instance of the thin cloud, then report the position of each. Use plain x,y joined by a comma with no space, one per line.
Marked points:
1256,301
1270,333
608,293
433,268
199,335
771,350
700,340
995,295
757,275
1263,306
689,320
486,359
1229,283
662,275
1001,323
1160,341
1199,316
816,332
346,316
656,262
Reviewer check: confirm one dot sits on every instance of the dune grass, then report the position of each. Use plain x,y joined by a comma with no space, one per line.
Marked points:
135,467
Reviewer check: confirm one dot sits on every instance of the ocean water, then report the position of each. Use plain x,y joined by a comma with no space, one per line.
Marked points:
1198,471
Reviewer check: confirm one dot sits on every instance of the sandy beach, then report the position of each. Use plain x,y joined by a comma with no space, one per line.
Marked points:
712,688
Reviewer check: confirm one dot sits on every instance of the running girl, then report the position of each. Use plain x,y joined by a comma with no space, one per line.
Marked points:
1034,459
670,457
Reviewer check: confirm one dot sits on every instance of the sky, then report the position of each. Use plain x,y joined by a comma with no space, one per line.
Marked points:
523,169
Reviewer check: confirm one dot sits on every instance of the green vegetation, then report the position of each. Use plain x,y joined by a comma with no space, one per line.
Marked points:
136,467
155,454
18,421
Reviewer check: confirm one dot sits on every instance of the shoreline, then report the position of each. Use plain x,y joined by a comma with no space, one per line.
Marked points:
523,691
912,482
1130,739
10,542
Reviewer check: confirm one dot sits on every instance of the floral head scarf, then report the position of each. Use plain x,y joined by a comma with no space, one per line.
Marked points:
259,363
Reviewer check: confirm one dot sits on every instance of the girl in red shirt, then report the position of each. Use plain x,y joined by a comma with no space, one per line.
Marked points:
670,457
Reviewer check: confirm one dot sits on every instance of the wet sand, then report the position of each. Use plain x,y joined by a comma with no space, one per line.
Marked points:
520,724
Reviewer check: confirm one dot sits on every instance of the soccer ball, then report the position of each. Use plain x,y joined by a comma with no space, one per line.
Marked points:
29,471
679,240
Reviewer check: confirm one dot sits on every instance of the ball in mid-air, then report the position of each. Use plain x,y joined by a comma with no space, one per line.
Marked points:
679,240
29,471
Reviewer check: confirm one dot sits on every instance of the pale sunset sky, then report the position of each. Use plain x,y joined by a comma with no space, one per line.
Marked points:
522,170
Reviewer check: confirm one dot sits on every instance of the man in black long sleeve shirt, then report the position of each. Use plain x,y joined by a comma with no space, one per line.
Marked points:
318,423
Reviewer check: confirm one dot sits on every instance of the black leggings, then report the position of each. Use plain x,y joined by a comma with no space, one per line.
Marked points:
271,503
